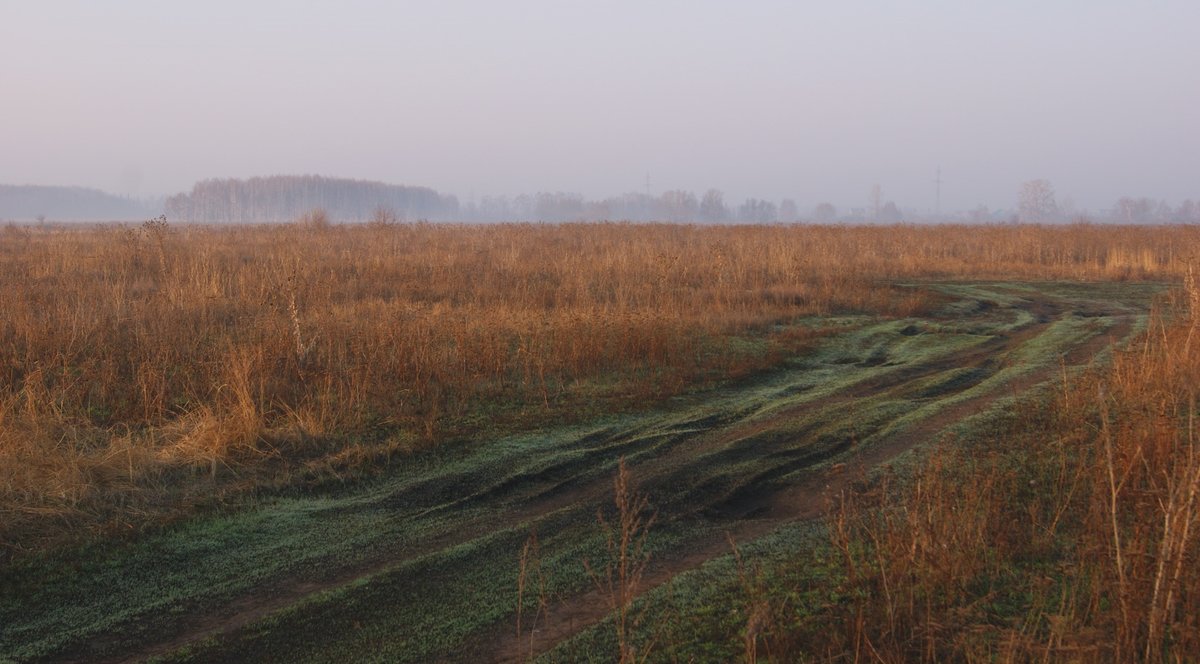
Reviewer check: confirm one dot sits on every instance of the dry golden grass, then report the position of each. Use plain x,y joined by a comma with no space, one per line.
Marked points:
1076,540
146,369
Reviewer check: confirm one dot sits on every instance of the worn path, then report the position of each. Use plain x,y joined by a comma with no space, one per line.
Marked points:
422,565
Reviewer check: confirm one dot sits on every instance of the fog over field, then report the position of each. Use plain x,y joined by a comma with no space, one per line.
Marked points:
767,100
558,331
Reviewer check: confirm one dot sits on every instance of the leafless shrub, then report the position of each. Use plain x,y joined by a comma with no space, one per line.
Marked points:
383,217
620,578
316,219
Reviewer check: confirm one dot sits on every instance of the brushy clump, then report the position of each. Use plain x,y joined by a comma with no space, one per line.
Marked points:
1075,538
145,369
619,578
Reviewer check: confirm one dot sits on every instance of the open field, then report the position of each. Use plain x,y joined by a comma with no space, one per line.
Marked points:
331,444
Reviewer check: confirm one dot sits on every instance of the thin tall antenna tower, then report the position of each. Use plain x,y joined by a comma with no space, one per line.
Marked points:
939,191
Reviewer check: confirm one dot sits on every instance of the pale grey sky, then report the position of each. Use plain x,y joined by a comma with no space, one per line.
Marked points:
810,100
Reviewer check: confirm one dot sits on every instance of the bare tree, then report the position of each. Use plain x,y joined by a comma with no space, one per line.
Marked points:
757,211
890,212
679,205
1163,212
1036,203
787,211
712,206
1187,212
1133,210
825,212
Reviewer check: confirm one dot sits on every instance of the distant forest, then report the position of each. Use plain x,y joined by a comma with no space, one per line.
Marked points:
35,202
286,197
674,206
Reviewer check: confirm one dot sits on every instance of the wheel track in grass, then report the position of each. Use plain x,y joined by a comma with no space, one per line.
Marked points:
801,501
662,450
807,498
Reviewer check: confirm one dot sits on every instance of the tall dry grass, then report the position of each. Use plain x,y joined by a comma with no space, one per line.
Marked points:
1076,539
145,369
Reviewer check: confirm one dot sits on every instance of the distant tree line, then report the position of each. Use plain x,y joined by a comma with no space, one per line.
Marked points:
676,205
287,197
1037,203
44,203
1145,210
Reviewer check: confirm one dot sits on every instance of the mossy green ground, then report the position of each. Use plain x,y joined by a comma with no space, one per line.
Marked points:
422,562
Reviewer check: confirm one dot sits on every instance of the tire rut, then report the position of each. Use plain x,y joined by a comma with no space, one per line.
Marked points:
558,487
807,498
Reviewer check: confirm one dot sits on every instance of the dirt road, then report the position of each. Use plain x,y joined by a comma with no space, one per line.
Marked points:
421,565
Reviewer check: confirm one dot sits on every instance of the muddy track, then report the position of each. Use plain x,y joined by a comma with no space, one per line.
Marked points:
807,498
790,483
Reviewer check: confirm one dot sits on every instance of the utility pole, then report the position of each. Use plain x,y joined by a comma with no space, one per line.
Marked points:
647,184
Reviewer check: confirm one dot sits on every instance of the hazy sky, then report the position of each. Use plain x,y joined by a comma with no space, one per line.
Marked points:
809,100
